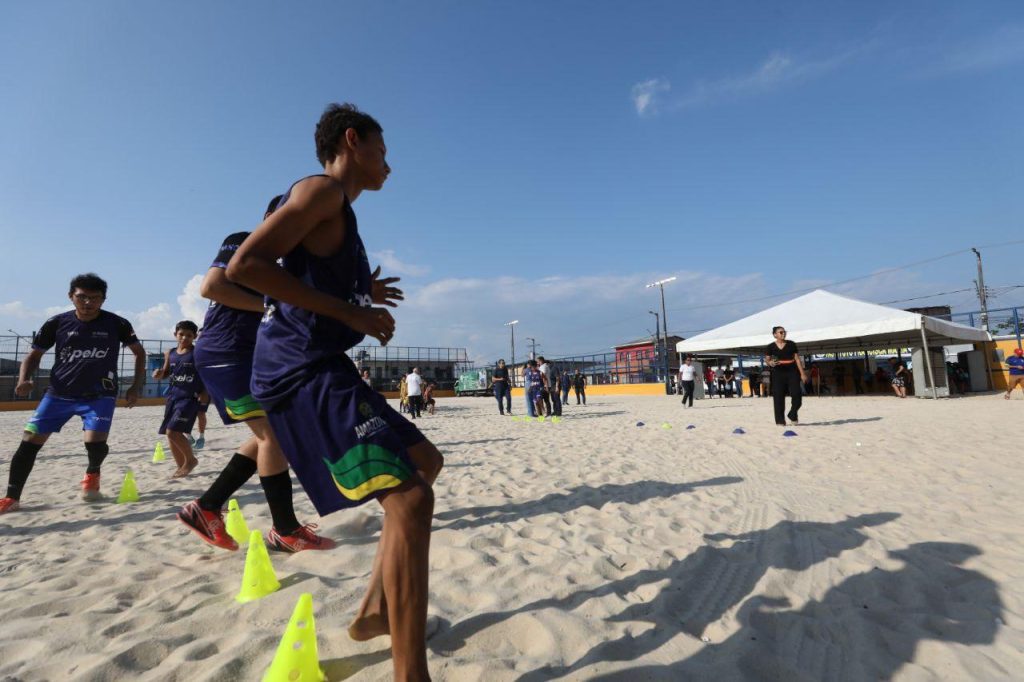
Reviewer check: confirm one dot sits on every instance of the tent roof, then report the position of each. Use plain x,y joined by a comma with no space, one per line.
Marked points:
822,322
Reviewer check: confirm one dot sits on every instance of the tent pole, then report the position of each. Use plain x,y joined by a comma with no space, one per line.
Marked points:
928,360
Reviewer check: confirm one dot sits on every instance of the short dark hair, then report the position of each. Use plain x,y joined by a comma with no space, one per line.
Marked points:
775,329
187,325
274,203
330,130
90,281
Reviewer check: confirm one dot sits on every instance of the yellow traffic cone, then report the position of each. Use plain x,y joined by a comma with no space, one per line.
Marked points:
129,493
258,580
666,426
296,659
158,453
235,523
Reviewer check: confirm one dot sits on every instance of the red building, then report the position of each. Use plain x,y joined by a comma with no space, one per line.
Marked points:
637,362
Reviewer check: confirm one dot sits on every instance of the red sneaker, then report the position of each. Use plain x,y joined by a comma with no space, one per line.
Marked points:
207,525
303,538
9,504
91,488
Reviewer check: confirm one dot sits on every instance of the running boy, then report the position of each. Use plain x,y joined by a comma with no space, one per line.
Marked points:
83,382
224,359
346,445
183,399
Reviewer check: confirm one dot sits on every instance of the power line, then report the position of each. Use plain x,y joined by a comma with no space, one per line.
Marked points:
918,298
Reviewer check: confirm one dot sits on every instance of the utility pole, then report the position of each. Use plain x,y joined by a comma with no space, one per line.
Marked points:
664,320
512,326
982,293
657,339
533,347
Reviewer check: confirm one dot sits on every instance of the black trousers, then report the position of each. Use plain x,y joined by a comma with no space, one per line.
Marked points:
580,391
415,406
545,395
688,392
786,382
502,391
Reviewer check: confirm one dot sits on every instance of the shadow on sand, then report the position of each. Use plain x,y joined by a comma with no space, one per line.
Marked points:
573,498
865,628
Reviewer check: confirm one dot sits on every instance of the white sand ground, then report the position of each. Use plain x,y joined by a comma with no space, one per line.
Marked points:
591,549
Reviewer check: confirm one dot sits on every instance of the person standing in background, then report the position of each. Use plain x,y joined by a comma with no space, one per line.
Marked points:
787,374
502,387
579,384
687,377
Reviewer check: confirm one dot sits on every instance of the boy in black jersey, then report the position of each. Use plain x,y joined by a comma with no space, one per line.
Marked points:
83,383
224,360
183,398
345,443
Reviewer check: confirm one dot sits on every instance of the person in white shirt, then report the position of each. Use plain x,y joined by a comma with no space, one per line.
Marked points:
414,382
687,375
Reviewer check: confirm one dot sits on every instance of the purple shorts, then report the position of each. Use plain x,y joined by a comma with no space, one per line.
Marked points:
227,382
180,413
344,442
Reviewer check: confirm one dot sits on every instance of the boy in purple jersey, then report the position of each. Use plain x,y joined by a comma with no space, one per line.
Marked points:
345,443
224,359
183,398
83,382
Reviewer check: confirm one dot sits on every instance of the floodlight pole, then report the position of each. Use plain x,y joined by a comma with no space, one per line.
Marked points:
512,327
657,333
664,321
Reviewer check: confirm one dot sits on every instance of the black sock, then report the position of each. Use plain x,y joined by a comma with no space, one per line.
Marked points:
278,489
239,469
97,453
21,466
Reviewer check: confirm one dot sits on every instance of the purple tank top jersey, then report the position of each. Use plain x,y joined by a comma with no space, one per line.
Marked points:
229,334
184,379
292,342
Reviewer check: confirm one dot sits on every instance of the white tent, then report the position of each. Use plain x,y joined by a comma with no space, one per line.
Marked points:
822,322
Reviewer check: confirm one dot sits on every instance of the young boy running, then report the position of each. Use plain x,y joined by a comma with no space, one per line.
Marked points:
83,382
224,359
183,399
346,445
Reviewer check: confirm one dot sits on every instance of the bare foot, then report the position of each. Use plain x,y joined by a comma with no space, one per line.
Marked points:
186,468
367,627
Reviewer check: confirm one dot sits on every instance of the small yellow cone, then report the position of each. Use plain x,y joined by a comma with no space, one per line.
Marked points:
296,659
666,426
158,453
258,580
129,493
541,418
235,523
556,420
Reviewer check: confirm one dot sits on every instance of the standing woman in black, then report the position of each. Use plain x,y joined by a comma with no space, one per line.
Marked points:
787,373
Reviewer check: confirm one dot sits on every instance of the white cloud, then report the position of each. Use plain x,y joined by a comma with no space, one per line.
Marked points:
564,314
192,304
155,322
15,309
778,70
391,265
1003,47
646,95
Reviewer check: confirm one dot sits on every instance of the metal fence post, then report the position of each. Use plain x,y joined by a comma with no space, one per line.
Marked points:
1016,326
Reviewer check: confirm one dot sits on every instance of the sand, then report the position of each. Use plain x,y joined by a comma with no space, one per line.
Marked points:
589,549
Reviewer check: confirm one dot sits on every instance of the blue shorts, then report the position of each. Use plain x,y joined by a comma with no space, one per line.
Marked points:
228,386
180,413
54,412
344,442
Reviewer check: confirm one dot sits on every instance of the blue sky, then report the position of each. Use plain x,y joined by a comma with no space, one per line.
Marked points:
549,158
